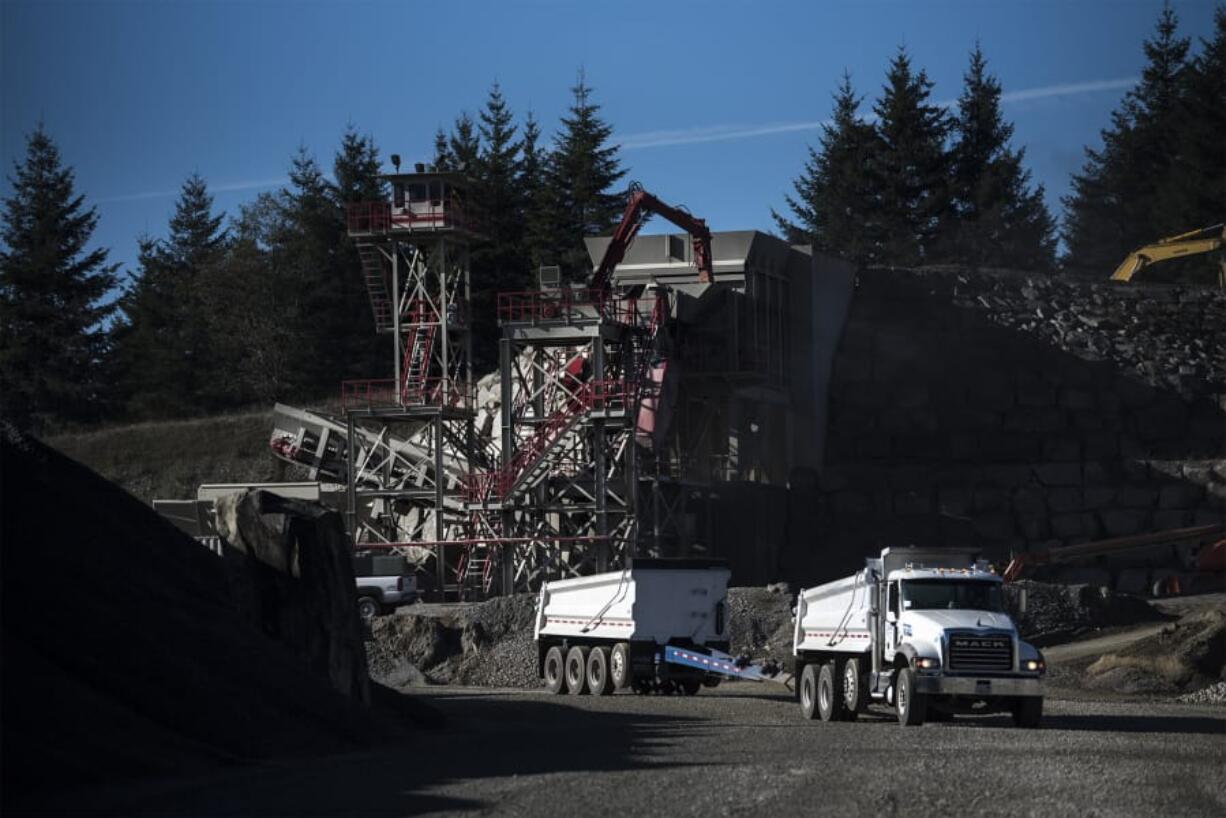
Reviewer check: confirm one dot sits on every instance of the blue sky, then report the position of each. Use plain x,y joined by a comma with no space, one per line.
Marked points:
713,102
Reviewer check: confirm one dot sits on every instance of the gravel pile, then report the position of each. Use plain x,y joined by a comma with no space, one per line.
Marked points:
1060,613
761,621
1184,657
1213,694
490,643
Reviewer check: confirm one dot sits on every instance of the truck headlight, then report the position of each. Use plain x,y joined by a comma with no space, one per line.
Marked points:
927,663
1034,665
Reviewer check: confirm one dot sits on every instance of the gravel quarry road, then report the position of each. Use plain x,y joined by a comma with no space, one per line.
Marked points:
739,749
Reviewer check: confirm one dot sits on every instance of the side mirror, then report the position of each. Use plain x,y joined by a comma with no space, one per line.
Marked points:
1021,600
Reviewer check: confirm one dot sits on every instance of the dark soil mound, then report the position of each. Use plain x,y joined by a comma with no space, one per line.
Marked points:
1059,613
1185,656
124,653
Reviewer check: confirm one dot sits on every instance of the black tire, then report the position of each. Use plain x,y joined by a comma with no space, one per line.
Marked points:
599,680
1028,711
911,706
554,670
806,691
855,696
576,671
621,672
691,686
829,701
368,607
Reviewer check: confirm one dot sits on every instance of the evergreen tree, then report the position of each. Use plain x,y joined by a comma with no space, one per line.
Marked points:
356,169
531,180
442,151
498,201
464,147
53,345
1114,206
575,200
999,221
833,200
163,348
1193,193
910,168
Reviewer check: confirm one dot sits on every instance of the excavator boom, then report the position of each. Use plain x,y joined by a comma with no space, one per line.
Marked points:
1192,243
639,206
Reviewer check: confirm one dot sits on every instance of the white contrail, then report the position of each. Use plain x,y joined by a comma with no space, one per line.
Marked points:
228,187
721,133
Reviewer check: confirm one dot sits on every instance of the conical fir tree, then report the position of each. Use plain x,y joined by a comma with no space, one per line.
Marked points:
163,348
998,220
833,201
576,200
53,288
910,168
1114,207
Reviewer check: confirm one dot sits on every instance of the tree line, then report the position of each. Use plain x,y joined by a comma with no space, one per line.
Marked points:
271,305
919,183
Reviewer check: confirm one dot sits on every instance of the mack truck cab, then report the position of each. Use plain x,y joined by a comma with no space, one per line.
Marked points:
921,630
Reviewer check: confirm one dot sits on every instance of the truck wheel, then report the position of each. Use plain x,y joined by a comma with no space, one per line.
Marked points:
854,699
599,681
554,670
911,706
1028,711
829,700
620,670
807,691
368,607
690,686
576,671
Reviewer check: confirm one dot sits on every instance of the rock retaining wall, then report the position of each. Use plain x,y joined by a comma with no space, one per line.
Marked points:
1018,412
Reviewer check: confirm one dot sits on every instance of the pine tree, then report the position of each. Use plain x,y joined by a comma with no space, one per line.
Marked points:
910,168
1192,194
833,200
531,181
1114,207
575,200
464,146
163,347
442,151
497,262
53,295
355,171
998,220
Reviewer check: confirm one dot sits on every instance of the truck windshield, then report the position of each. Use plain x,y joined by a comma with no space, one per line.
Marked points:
944,594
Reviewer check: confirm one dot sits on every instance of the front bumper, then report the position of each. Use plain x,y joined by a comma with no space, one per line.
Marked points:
979,686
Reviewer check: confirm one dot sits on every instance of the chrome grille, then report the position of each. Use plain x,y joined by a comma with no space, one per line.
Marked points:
980,654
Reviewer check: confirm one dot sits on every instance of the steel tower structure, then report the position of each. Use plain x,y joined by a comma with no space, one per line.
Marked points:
410,439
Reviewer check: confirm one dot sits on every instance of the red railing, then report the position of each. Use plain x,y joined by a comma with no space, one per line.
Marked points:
568,304
368,217
592,396
378,217
369,394
383,394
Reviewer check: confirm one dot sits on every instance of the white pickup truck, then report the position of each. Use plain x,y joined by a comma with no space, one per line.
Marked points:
922,630
660,625
383,583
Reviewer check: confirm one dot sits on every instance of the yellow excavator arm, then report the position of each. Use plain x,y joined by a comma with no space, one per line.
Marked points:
1192,243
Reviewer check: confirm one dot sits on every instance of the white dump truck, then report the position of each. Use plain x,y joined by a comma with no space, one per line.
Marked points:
924,631
660,625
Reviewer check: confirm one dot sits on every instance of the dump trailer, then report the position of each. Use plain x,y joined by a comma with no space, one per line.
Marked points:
659,625
923,631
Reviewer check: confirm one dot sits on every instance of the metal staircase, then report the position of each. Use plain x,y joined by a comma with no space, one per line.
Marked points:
417,364
376,285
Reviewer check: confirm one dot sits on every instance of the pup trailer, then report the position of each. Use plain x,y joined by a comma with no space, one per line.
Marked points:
659,626
924,631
